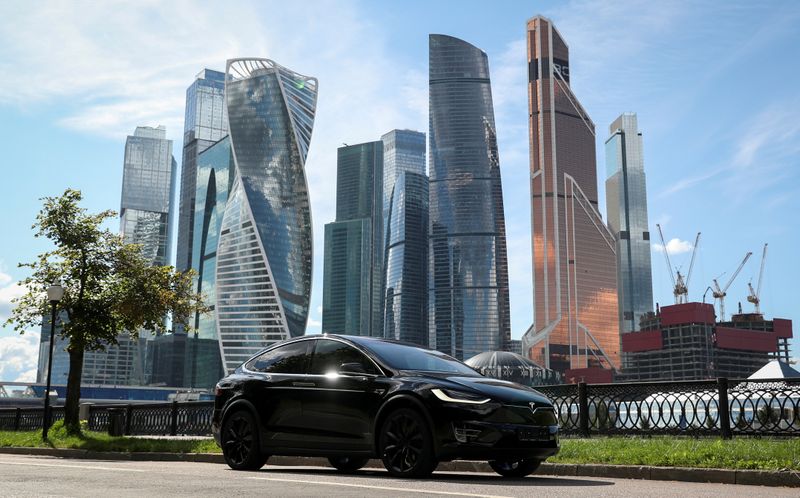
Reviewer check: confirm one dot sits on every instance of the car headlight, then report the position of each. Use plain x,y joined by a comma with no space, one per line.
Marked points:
460,397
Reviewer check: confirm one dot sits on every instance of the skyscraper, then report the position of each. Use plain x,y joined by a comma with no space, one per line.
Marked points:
403,150
574,264
148,180
405,215
354,244
215,173
264,252
626,206
468,279
406,282
204,124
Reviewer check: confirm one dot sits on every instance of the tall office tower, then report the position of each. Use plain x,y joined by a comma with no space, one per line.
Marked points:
354,244
405,228
215,174
574,265
403,150
406,282
204,124
468,279
263,271
626,207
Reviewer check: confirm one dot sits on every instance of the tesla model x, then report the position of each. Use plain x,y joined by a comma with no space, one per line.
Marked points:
351,398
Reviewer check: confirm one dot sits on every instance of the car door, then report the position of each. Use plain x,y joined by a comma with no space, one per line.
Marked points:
283,379
344,404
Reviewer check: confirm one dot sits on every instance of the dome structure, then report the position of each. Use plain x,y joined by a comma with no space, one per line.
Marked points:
506,365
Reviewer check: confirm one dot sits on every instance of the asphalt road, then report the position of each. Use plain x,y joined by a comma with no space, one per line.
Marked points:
50,476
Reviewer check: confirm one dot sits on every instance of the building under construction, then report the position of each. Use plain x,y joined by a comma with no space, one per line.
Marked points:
684,342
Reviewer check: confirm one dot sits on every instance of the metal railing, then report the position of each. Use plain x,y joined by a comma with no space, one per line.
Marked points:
721,407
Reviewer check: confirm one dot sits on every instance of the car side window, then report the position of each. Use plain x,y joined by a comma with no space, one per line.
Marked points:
291,359
330,355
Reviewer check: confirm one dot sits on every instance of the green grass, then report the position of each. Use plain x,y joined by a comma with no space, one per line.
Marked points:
100,441
742,453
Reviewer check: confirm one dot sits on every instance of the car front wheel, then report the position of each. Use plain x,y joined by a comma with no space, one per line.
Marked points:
240,445
405,444
515,468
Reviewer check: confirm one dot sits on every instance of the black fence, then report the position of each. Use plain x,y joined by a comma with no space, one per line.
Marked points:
719,407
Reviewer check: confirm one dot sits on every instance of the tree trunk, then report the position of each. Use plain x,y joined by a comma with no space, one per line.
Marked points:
72,405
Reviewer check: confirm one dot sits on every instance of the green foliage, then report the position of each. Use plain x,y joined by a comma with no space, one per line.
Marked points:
109,286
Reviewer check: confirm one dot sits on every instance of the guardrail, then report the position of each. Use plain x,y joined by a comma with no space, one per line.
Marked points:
721,407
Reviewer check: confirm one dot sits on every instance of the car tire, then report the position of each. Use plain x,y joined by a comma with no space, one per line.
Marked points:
347,464
515,468
405,444
240,443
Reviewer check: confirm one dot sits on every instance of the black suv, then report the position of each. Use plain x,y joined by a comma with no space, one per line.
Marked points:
354,398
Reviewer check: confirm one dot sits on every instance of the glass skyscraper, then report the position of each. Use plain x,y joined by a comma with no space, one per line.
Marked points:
354,245
626,206
403,150
405,231
215,173
204,124
406,282
468,279
575,322
264,252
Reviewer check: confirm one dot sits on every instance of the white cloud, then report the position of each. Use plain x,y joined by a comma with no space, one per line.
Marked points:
674,246
8,291
19,356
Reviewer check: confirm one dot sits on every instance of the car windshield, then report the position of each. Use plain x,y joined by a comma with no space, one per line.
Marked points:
403,357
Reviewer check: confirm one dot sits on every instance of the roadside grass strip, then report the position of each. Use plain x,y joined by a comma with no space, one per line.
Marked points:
661,451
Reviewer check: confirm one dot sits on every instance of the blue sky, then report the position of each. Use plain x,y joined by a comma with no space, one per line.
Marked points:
715,86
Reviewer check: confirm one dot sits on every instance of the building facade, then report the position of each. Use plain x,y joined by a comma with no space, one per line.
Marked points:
215,173
468,272
204,124
403,150
626,209
406,270
264,251
354,244
684,342
575,322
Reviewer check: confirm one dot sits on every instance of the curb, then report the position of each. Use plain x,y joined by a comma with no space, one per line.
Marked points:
686,474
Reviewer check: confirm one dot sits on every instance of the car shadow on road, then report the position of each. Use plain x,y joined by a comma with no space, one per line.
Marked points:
478,479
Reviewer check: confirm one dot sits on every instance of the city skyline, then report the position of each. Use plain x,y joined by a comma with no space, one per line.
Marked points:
712,167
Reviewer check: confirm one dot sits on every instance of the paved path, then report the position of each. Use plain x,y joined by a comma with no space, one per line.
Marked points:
49,476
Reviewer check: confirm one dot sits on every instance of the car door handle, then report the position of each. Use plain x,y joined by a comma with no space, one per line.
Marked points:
304,384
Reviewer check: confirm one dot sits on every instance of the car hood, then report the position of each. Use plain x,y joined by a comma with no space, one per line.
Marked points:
499,390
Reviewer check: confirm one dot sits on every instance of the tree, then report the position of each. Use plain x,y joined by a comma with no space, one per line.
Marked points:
109,287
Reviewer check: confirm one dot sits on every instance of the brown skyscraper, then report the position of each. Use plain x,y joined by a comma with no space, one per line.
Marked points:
574,265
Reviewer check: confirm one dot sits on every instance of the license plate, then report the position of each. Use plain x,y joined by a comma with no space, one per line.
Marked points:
534,434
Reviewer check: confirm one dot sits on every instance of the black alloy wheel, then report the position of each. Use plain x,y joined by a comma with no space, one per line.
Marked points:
240,445
515,468
405,445
347,464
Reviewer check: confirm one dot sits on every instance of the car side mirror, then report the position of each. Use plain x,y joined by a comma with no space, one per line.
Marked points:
352,368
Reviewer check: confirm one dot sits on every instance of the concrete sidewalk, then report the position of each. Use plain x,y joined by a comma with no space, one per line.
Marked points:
723,476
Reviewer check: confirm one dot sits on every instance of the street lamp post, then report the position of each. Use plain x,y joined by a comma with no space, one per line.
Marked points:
54,294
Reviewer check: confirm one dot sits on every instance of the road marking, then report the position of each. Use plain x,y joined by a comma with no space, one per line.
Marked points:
384,488
92,467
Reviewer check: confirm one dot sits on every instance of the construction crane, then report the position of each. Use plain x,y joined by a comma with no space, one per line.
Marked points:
721,293
680,285
753,296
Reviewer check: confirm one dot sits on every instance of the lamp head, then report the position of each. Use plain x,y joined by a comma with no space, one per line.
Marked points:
55,292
